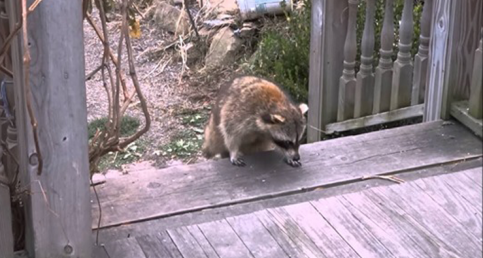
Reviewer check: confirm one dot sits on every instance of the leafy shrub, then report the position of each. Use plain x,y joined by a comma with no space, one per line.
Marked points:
283,51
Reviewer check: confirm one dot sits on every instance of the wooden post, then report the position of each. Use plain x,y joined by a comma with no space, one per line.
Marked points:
421,58
476,100
58,207
347,82
328,31
403,67
6,235
365,77
383,77
455,27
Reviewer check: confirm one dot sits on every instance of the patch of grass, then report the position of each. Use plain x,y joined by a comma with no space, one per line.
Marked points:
132,153
129,126
187,142
183,145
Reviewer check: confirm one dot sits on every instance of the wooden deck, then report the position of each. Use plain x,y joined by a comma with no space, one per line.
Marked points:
324,209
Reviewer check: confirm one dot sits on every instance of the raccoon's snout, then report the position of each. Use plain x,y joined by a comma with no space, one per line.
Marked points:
296,157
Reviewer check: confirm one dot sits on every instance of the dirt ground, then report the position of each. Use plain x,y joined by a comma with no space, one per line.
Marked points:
178,102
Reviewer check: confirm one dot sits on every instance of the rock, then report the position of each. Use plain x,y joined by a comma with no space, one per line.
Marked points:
224,6
210,24
167,16
247,31
224,48
193,53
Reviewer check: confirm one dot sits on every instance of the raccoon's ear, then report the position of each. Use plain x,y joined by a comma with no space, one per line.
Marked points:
273,118
304,108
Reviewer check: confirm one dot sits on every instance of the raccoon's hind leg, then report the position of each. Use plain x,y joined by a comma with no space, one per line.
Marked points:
233,144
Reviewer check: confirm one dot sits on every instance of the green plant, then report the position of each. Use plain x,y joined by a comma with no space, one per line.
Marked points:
283,53
187,143
131,153
183,145
129,126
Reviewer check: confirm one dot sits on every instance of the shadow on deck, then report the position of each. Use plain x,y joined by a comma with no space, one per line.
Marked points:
327,208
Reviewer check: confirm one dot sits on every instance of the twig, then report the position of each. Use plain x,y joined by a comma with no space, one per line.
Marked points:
138,11
163,67
8,41
317,129
132,72
390,178
193,24
6,71
100,211
105,41
108,140
117,118
26,61
183,59
157,66
89,76
34,5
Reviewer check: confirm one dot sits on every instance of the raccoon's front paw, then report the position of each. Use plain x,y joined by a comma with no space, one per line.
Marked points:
293,163
237,162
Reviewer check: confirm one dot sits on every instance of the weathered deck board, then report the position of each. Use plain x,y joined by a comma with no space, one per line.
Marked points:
406,237
352,230
431,217
224,240
466,186
475,175
454,203
99,252
127,248
422,218
252,233
186,243
158,246
196,232
184,189
287,233
397,243
160,225
319,230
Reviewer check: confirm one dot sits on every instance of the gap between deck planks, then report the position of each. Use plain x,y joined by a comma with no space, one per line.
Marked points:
406,220
160,193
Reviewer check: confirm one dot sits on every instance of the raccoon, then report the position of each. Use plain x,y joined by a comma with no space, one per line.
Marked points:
250,115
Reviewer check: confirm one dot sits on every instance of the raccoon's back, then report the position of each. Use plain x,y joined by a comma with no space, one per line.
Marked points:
251,94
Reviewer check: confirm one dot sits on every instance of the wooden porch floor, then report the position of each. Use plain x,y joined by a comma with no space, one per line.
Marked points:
324,209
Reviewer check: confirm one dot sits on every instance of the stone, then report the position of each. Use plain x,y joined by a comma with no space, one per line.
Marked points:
224,48
193,53
224,6
248,30
167,17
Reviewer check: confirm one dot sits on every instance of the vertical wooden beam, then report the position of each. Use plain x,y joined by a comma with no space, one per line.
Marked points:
383,77
468,23
437,59
421,58
365,77
403,67
347,82
6,235
58,206
454,39
328,31
476,98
